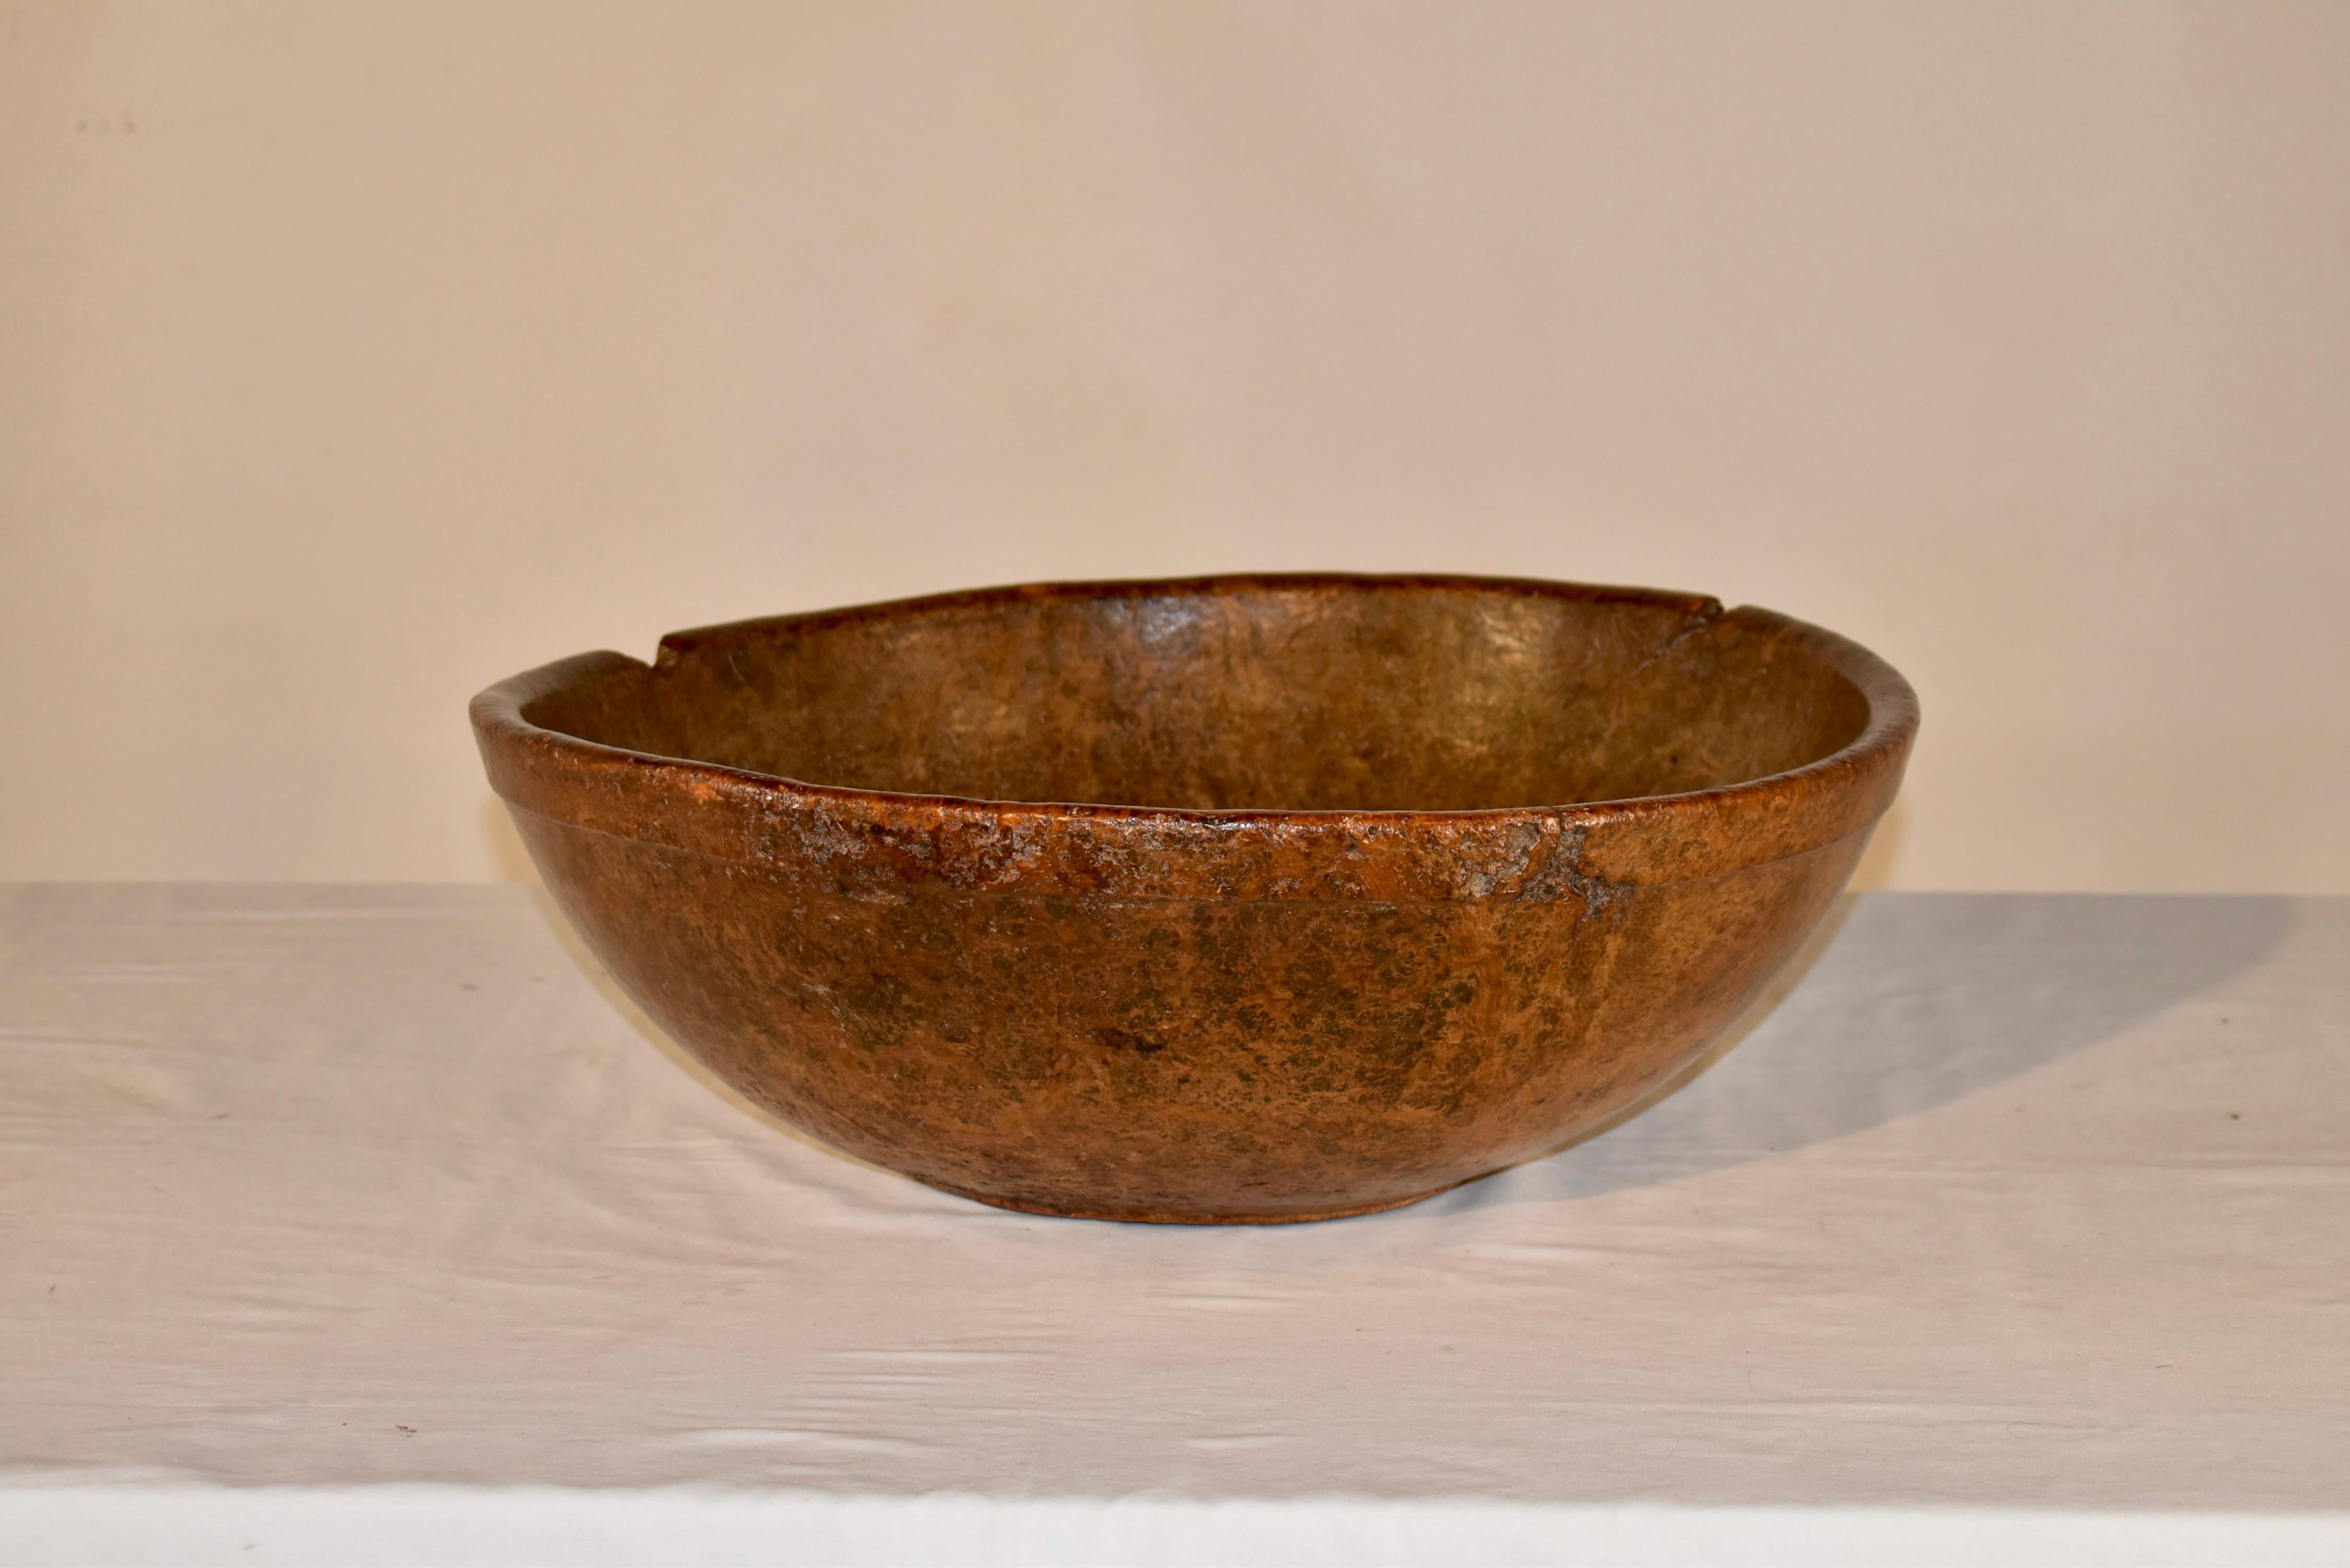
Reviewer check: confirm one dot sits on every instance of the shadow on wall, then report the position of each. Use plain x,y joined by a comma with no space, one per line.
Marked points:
1902,1003
1879,862
505,846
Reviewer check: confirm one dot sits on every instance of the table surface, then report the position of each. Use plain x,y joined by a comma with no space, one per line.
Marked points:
370,1218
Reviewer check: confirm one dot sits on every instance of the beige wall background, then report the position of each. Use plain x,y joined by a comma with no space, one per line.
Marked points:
355,354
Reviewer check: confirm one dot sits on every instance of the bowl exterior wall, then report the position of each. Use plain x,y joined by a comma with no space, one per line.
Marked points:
1183,1059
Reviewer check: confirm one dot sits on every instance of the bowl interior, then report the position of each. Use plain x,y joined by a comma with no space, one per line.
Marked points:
1348,694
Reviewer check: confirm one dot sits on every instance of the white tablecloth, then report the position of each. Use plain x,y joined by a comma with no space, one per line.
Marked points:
358,1224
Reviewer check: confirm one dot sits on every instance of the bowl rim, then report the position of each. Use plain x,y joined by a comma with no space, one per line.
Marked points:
590,784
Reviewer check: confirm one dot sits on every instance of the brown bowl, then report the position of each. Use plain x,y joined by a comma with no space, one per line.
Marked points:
1233,899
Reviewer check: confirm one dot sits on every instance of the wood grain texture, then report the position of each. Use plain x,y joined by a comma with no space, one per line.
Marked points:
1232,899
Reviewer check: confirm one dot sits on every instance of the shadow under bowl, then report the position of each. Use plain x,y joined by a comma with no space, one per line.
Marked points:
1235,899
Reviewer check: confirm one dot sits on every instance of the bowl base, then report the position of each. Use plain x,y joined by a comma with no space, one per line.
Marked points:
1146,1217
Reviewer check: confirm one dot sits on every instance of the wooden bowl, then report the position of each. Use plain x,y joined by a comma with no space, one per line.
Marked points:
1236,899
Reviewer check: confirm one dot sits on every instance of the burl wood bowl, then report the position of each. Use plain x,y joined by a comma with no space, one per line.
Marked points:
1237,899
